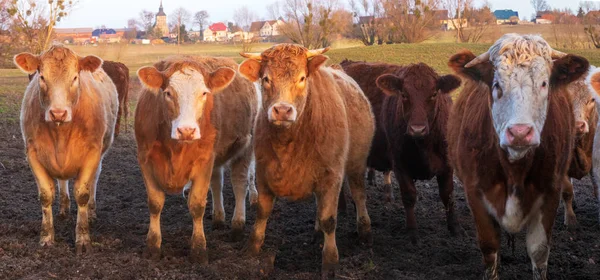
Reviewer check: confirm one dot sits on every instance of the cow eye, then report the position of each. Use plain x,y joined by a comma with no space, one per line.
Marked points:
266,79
496,85
433,96
544,84
75,79
42,78
205,93
168,94
302,79
592,100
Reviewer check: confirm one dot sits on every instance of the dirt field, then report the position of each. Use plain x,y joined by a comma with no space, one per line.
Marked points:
119,233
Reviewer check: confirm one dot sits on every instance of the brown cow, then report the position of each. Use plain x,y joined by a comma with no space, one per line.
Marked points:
119,74
586,119
67,120
510,141
194,117
315,128
411,105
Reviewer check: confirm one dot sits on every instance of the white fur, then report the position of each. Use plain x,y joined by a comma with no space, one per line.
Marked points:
596,151
536,241
189,85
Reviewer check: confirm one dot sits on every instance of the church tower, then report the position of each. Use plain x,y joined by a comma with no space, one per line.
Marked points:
161,21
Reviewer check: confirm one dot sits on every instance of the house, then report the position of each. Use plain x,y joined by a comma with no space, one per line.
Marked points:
506,17
267,28
239,35
73,35
217,32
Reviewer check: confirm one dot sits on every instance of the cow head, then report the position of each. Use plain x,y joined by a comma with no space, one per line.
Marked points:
419,88
183,89
57,72
284,74
522,78
584,107
593,83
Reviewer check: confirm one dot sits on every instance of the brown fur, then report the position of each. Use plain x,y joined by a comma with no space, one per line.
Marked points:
119,74
73,149
482,165
427,103
330,140
168,164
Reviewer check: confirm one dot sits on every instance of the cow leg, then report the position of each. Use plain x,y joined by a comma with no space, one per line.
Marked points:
46,189
567,196
197,205
327,203
539,234
265,206
94,187
239,180
409,199
446,188
216,189
252,181
65,201
388,189
371,176
356,181
83,186
342,205
156,201
488,235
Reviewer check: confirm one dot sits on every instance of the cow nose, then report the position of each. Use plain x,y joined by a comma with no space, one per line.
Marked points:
417,130
580,127
58,115
283,112
186,133
520,135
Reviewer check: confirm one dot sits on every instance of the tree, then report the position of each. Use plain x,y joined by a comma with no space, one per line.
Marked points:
201,19
244,17
458,20
580,13
540,5
132,26
410,21
146,21
34,20
180,17
368,25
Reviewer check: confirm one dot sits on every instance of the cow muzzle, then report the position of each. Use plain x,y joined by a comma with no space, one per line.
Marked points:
283,114
581,128
519,136
186,133
418,131
58,115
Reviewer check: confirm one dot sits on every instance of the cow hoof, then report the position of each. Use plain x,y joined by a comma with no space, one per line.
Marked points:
92,216
199,256
251,250
412,234
47,241
237,234
570,222
218,225
366,238
253,198
64,216
327,274
152,253
83,248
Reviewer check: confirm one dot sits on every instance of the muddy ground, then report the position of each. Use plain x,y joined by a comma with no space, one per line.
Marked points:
119,233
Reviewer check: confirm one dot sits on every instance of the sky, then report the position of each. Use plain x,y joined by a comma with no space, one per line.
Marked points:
115,13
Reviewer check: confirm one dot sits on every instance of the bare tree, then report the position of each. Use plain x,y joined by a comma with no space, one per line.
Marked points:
180,17
35,19
410,21
244,17
201,19
458,21
146,21
132,26
591,22
540,5
368,20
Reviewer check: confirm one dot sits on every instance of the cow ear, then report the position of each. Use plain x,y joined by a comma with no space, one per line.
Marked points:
390,84
250,69
27,62
151,78
448,83
593,81
568,69
483,71
89,63
220,79
315,62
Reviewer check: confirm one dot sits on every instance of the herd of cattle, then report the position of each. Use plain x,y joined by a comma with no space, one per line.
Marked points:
522,126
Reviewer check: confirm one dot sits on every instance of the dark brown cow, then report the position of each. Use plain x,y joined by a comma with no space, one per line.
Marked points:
586,119
411,105
119,74
194,117
67,120
314,130
510,140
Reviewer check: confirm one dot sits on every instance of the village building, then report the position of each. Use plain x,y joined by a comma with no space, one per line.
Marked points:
506,17
161,21
266,28
216,32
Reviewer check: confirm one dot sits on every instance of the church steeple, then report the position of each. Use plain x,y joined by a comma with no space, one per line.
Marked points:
161,12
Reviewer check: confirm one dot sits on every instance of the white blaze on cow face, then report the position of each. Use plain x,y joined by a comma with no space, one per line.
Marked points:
583,104
520,92
188,90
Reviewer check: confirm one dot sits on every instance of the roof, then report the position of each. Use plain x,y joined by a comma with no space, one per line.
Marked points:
161,13
256,26
101,31
72,30
505,14
219,26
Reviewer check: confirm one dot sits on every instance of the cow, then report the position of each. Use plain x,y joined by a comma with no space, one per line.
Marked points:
510,139
67,120
586,119
593,82
119,74
194,118
314,129
411,106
